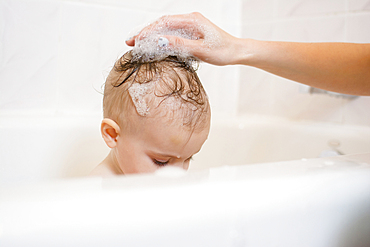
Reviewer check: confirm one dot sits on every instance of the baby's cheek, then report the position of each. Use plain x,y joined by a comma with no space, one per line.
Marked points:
145,165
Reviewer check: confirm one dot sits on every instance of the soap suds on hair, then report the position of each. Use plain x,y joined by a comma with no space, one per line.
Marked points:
137,92
152,46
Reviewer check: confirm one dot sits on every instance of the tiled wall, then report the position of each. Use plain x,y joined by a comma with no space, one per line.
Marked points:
55,55
302,21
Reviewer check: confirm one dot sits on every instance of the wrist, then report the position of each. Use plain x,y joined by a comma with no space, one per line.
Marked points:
246,52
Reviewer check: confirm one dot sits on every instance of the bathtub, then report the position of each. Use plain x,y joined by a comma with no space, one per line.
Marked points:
315,202
35,148
223,200
258,140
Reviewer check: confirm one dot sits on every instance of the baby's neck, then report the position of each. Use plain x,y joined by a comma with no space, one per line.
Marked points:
108,167
111,162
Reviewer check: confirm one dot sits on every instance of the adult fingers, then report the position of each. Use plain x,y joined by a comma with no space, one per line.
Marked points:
130,42
187,45
191,23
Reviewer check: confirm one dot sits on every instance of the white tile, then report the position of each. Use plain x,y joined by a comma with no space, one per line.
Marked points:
286,8
356,111
145,5
325,29
358,28
221,85
29,55
92,39
217,10
259,31
257,10
358,5
289,103
230,11
255,92
79,57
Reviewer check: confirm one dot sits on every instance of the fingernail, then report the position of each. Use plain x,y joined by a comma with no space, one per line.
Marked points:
129,38
163,42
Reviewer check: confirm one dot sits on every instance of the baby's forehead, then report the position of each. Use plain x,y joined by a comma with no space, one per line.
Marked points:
172,117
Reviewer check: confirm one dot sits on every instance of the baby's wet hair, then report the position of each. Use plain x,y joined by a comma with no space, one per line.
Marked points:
176,85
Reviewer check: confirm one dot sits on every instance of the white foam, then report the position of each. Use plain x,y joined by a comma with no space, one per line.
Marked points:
155,47
137,92
163,42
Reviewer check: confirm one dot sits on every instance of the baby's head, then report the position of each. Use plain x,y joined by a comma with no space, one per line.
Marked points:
156,113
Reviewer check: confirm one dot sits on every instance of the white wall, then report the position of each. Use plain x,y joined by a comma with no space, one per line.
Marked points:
55,55
303,21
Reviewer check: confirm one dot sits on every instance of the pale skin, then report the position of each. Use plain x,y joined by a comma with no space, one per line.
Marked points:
149,144
338,67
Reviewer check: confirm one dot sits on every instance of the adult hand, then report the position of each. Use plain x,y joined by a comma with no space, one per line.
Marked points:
338,67
211,44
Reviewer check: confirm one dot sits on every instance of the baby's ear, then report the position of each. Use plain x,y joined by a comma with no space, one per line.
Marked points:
110,132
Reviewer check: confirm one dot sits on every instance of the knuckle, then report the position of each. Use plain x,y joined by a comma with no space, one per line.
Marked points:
196,14
178,41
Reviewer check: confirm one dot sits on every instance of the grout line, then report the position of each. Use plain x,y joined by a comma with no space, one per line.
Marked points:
346,22
238,73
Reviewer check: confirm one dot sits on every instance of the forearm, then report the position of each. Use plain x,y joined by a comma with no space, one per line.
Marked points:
339,67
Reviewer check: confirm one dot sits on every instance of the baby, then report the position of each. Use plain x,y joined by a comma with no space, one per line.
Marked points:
156,114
